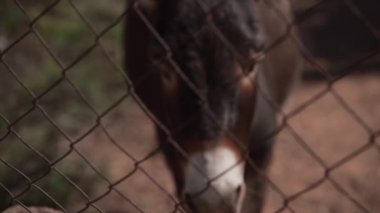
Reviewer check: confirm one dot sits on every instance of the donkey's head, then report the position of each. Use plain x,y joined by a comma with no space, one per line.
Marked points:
207,81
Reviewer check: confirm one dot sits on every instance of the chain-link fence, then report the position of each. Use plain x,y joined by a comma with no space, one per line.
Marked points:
74,136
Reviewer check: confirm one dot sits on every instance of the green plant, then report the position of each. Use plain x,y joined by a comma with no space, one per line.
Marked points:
63,32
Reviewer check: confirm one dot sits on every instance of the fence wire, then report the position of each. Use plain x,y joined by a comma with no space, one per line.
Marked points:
12,125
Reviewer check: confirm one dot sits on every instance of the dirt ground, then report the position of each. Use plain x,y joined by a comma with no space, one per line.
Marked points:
326,128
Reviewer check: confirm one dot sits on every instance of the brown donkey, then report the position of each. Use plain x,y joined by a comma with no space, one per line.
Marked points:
211,71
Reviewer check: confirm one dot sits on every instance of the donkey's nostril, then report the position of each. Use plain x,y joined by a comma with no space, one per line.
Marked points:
238,190
236,196
239,197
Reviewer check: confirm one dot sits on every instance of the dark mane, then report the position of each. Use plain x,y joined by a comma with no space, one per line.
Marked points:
205,58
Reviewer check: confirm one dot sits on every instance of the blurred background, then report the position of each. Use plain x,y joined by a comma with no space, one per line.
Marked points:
71,134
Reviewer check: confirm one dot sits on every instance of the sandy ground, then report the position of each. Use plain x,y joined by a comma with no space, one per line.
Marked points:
325,127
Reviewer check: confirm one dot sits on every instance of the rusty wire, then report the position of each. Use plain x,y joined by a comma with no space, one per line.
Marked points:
91,202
